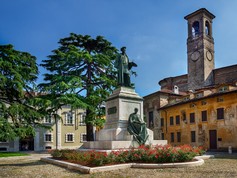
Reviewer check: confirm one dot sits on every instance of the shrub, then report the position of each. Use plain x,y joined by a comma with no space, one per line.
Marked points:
56,154
144,154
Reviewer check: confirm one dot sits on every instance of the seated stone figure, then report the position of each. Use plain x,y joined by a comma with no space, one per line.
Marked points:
137,128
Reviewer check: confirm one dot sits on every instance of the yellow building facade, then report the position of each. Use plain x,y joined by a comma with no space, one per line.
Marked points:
207,118
69,132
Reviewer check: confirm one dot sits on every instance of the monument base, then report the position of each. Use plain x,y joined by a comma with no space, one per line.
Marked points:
119,106
116,145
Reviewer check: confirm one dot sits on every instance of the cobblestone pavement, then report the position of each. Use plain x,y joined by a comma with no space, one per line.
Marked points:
31,166
224,165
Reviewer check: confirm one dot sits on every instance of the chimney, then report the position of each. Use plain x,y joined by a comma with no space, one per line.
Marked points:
176,89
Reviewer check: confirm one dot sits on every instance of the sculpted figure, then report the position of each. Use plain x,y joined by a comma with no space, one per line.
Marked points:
137,128
124,66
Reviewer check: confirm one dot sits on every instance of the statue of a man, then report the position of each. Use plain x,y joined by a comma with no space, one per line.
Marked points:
124,65
137,128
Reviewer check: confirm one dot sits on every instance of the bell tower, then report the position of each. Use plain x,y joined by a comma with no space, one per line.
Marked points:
200,49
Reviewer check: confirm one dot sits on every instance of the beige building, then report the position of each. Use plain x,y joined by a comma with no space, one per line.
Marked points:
67,132
200,107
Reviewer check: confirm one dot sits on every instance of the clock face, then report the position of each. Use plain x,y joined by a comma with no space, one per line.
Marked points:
195,55
209,55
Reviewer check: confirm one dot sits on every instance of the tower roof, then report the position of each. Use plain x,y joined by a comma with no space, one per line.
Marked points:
202,10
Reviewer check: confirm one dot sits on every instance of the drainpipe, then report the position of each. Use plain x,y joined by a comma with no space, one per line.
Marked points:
56,121
56,132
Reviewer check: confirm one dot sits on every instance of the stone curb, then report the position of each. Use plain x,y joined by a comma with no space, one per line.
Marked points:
196,162
204,157
88,170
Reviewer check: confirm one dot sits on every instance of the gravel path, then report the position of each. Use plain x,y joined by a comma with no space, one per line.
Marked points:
30,166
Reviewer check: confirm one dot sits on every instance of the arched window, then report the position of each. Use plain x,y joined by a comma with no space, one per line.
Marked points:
195,29
207,28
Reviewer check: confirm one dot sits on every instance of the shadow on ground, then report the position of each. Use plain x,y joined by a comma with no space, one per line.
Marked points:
33,163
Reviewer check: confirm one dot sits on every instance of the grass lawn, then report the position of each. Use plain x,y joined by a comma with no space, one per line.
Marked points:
10,154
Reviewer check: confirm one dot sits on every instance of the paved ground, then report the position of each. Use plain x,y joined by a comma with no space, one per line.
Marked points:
224,165
31,166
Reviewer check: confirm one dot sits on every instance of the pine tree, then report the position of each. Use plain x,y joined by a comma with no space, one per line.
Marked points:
82,74
18,114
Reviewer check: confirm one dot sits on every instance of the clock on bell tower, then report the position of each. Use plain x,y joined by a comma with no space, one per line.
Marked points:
200,49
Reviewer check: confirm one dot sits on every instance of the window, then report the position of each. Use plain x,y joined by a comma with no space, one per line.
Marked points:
69,118
171,120
161,122
193,136
69,137
48,119
207,28
220,113
184,116
195,29
82,119
151,123
48,147
162,136
178,136
203,102
204,116
192,117
192,105
223,89
177,120
199,95
3,149
48,137
186,98
172,137
83,137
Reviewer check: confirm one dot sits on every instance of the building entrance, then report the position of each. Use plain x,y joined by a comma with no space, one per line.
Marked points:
27,144
213,139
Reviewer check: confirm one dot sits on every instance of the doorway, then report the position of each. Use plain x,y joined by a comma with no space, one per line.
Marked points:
27,144
213,139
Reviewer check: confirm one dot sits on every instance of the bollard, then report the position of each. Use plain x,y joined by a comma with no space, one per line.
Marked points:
230,150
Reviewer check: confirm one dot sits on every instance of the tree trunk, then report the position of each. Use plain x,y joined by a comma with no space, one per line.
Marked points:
89,132
89,127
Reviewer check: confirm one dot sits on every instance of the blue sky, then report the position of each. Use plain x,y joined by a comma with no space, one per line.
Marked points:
154,31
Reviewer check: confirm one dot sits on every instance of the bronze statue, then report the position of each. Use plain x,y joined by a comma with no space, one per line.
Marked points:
124,66
137,128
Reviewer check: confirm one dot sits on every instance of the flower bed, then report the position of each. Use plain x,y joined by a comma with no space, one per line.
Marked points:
143,154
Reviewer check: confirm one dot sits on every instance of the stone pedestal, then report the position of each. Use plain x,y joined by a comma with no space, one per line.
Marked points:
119,106
114,135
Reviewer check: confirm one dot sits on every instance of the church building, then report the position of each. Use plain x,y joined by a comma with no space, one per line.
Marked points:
200,107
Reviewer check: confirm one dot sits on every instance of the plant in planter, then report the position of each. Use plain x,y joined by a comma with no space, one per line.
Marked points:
143,154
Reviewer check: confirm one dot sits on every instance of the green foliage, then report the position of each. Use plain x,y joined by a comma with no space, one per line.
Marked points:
18,113
81,74
56,154
143,154
18,72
